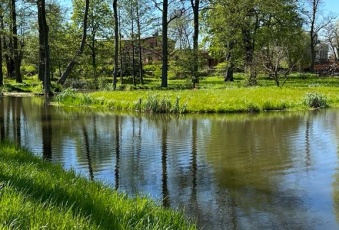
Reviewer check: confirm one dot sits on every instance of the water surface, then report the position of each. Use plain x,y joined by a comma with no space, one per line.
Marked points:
247,171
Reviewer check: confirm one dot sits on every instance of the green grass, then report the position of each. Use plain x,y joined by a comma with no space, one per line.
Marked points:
213,95
40,195
229,100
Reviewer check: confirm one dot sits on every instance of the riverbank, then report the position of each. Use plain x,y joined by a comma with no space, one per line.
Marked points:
38,194
229,100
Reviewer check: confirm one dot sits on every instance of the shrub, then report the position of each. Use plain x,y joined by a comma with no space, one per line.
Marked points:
315,100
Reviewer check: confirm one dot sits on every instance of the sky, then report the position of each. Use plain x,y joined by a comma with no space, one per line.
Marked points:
331,6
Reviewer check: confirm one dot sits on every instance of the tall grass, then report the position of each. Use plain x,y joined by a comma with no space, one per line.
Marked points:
40,195
228,100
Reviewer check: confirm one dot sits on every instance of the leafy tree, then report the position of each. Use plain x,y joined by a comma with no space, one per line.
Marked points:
167,16
278,41
72,63
238,29
316,21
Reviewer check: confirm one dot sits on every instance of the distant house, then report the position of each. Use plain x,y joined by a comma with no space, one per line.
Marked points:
322,51
151,48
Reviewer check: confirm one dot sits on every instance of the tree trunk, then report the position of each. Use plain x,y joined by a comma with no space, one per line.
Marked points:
164,44
42,56
116,44
133,47
1,38
139,47
195,6
72,63
45,58
249,52
15,44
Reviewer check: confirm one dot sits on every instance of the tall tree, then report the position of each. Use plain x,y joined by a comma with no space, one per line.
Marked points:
316,22
1,39
98,28
16,55
116,43
195,6
72,63
237,27
44,52
166,19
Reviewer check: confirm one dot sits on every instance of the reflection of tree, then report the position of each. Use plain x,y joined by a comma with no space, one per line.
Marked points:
117,151
17,106
165,192
243,155
88,152
46,123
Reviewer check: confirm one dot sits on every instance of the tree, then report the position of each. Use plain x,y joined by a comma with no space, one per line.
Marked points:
44,52
195,6
98,30
316,21
279,40
167,18
237,27
15,50
72,63
116,43
1,39
332,38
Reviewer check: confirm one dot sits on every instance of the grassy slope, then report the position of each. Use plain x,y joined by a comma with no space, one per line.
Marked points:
38,194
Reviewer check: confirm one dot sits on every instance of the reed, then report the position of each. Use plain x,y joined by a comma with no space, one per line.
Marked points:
35,194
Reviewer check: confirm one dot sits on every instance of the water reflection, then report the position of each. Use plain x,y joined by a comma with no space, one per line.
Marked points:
261,171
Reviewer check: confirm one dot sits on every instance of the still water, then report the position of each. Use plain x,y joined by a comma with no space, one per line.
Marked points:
248,171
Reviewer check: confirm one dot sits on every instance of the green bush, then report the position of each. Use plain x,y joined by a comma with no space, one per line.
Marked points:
315,100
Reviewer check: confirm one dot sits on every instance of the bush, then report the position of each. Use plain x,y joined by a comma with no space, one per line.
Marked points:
315,100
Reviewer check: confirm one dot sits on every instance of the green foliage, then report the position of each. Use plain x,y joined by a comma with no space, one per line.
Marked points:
315,100
153,70
28,70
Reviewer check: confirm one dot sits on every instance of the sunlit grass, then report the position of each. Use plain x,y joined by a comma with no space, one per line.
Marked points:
254,99
39,195
212,95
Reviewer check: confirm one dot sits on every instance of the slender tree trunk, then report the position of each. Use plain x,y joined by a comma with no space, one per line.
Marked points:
249,52
72,63
229,69
42,56
116,43
45,53
1,39
15,44
195,6
120,51
133,46
313,35
164,44
139,47
93,54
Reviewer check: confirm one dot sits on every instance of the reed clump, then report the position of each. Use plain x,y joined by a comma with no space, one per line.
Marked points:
35,194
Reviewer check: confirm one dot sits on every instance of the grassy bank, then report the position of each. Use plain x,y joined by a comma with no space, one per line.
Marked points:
300,92
228,100
35,194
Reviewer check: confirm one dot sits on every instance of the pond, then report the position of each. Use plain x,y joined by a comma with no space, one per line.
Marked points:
240,171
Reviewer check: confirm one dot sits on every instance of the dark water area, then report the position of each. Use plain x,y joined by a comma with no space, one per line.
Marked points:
240,171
